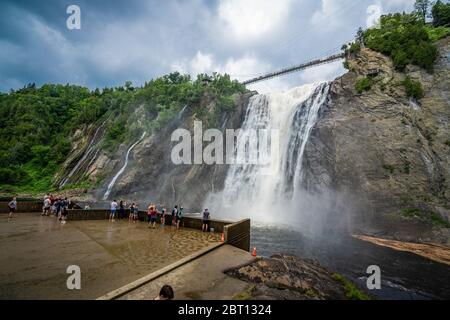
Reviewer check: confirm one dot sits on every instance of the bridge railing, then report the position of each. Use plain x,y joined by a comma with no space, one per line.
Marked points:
296,68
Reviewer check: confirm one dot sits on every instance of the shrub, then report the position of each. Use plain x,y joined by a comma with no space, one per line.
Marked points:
431,217
363,84
345,64
437,33
354,48
351,291
413,88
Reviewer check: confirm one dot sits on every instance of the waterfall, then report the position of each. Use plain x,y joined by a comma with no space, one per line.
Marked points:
264,192
113,181
180,114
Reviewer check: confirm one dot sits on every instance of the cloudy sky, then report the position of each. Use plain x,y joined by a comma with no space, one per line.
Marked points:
139,40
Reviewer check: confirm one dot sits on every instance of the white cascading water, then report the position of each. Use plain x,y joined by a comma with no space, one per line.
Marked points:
264,192
117,175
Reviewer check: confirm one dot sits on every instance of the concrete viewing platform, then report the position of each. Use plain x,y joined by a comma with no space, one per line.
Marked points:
37,250
200,279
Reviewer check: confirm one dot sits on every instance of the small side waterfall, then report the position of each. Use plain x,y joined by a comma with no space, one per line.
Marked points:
117,175
252,190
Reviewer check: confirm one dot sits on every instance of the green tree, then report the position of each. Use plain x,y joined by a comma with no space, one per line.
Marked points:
421,8
441,14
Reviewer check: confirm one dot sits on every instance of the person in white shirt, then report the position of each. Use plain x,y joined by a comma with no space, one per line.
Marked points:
113,210
47,204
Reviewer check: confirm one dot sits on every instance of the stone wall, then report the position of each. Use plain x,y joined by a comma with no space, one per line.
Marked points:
22,206
238,234
188,222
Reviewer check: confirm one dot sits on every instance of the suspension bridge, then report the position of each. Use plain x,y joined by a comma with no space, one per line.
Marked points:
296,68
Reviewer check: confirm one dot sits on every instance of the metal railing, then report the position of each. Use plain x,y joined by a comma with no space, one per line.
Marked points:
296,68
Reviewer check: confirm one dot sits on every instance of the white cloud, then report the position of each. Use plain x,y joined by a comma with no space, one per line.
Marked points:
252,19
380,7
396,5
328,14
325,72
248,66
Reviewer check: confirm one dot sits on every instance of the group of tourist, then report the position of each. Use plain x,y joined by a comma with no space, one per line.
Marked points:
119,210
56,206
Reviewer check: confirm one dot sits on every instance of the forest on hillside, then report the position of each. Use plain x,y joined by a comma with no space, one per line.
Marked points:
37,122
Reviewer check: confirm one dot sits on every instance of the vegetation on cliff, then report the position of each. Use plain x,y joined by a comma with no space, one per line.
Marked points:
405,39
38,122
408,38
363,84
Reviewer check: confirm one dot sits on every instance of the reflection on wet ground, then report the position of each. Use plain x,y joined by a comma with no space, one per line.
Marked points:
36,252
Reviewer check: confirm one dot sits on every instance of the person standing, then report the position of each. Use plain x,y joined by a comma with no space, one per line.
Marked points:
43,204
131,215
136,213
58,204
12,205
179,217
153,216
163,216
121,210
174,215
113,210
47,205
64,212
206,220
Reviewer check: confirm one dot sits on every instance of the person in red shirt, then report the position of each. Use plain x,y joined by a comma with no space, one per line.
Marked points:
152,215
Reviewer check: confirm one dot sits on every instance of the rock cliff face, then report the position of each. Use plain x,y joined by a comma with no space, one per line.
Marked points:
389,152
150,174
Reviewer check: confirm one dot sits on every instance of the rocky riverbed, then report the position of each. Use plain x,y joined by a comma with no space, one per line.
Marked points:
285,277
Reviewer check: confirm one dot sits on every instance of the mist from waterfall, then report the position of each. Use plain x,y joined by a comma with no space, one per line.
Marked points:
275,193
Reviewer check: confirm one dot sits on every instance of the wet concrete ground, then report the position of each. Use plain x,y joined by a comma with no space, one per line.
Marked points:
200,279
36,251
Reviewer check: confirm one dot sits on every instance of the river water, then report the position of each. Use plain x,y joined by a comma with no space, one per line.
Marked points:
404,275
